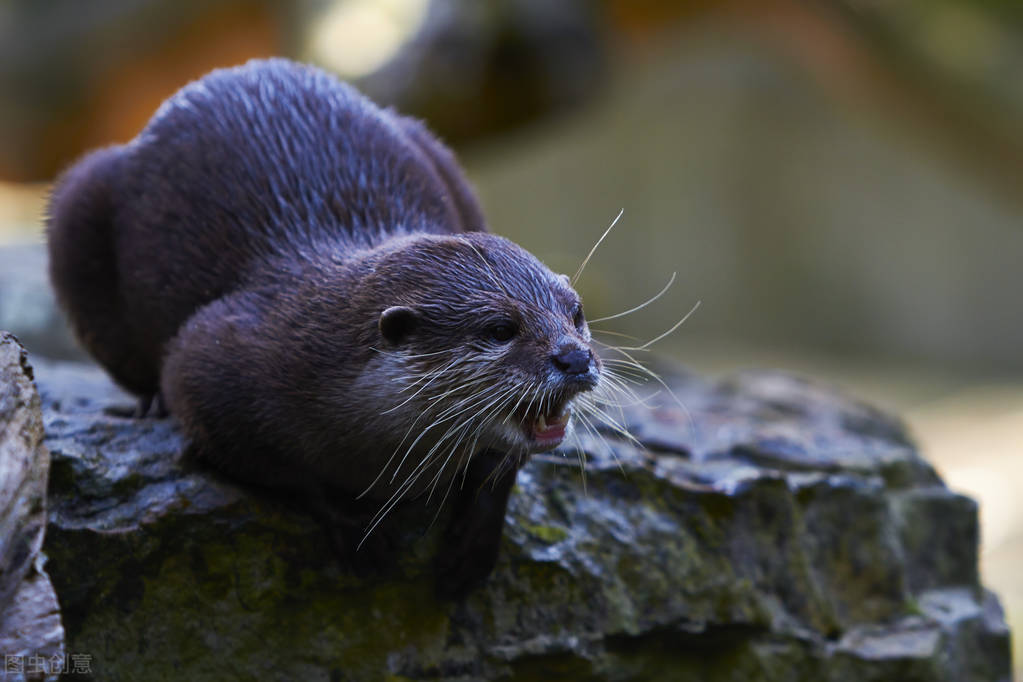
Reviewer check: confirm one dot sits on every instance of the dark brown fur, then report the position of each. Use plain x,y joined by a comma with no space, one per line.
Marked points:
279,259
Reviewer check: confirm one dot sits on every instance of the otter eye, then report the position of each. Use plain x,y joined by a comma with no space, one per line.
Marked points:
501,332
577,316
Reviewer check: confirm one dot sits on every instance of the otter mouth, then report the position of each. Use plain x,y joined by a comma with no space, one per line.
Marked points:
547,429
542,426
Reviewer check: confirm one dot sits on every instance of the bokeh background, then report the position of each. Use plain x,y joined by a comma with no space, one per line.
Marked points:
839,183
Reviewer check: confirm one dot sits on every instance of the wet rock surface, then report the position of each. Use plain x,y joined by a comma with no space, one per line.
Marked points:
30,625
759,528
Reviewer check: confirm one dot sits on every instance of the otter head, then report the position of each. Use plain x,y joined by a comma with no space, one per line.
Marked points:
492,346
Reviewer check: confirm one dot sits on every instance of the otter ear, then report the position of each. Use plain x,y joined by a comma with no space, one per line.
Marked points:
397,322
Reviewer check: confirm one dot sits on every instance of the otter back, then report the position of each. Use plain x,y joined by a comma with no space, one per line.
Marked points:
269,162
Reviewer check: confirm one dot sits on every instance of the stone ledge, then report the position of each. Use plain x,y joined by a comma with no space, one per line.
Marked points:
771,530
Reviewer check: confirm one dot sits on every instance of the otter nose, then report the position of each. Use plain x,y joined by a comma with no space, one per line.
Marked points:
573,360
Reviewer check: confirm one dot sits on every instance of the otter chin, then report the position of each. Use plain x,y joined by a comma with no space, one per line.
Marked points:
306,282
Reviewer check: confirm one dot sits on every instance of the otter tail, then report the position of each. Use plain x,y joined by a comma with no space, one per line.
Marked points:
81,240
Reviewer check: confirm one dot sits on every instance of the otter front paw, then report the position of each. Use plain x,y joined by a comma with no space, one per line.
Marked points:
472,540
465,560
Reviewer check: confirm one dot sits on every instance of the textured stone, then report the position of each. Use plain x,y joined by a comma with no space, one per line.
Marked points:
30,624
760,528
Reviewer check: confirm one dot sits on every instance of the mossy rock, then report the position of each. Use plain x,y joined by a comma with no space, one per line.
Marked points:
769,530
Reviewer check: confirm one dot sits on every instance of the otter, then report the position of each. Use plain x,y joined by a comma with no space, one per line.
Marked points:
306,282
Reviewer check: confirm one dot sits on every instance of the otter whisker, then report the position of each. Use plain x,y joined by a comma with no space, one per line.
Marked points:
398,448
463,464
522,397
535,395
475,374
500,396
616,384
589,420
444,459
628,377
656,377
428,371
580,454
447,490
389,505
469,403
661,336
619,362
611,401
625,365
436,421
611,387
619,392
399,493
612,393
627,374
613,423
526,388
611,333
492,380
642,305
411,447
579,451
436,375
405,354
494,476
478,398
467,452
481,418
420,468
586,260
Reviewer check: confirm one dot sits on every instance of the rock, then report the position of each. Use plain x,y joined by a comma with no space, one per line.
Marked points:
30,625
761,528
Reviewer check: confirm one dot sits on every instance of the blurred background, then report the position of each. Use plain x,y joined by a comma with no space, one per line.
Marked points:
839,183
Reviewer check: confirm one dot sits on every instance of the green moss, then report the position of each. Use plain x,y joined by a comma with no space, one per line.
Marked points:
912,607
544,533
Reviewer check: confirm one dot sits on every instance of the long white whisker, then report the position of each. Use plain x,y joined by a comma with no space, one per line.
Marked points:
407,356
641,305
658,338
611,333
656,377
590,254
436,375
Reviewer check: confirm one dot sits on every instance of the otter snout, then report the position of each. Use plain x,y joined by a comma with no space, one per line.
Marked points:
575,366
573,360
